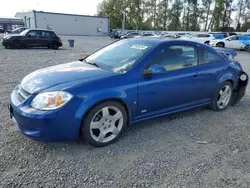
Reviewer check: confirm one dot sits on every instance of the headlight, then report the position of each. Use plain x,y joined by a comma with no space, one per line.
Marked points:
50,100
7,37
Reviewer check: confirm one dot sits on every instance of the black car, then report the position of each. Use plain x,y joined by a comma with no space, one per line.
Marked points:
32,38
16,31
115,34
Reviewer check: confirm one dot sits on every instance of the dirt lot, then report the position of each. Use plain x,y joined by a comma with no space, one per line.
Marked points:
200,148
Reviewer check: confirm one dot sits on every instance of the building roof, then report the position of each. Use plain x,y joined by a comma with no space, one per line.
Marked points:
16,21
55,13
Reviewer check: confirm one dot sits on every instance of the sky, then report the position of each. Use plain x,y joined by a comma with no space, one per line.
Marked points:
85,7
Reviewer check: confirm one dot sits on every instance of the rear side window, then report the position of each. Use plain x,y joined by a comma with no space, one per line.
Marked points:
176,57
47,34
209,57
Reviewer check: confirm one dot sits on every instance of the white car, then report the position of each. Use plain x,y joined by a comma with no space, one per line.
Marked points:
148,35
233,42
201,38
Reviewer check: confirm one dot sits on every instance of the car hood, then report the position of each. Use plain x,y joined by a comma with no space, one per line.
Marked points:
69,72
11,35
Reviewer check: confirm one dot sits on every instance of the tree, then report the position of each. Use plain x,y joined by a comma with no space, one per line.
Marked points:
174,15
207,6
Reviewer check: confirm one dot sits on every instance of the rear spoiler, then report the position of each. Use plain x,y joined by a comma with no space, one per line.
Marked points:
228,52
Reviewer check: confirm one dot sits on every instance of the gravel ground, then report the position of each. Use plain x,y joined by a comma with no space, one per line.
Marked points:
200,148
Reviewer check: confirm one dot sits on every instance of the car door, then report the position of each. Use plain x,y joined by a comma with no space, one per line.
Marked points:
177,89
233,42
32,38
202,38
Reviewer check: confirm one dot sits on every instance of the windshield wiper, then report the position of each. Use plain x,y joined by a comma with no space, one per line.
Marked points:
91,63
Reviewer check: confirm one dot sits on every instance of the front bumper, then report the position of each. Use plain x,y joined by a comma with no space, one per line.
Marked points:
56,125
241,90
6,42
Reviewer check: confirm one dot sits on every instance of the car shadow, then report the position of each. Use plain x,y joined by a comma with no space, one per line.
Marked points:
135,134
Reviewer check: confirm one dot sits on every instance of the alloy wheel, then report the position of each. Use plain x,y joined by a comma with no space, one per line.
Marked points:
106,124
224,97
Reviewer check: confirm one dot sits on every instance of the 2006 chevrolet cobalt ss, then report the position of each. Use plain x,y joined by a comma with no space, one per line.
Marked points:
128,81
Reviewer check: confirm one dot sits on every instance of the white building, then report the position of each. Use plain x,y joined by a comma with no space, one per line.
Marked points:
66,24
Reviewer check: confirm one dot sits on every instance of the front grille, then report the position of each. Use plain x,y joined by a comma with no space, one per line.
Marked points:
21,94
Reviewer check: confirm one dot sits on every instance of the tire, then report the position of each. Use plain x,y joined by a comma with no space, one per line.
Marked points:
222,100
18,45
220,45
247,48
104,123
207,42
54,46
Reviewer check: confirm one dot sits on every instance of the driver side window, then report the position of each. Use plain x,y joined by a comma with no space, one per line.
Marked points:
176,57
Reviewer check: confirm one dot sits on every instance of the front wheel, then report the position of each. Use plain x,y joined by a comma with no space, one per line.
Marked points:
17,45
220,45
223,97
104,123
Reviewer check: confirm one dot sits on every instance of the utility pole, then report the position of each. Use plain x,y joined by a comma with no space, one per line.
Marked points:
123,21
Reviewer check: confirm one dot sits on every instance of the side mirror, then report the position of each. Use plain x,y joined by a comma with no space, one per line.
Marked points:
154,70
147,72
29,35
228,39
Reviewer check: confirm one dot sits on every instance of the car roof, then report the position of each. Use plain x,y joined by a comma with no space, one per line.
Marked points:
162,40
31,29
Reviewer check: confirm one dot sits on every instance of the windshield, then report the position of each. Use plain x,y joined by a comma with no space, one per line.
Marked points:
24,32
120,56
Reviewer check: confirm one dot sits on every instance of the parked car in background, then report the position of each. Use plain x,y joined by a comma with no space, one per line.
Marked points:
200,37
123,83
116,34
1,30
149,35
130,35
173,36
240,42
32,38
223,35
16,31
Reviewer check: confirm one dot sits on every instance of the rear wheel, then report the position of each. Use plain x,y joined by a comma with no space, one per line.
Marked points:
207,42
104,123
220,45
54,46
223,96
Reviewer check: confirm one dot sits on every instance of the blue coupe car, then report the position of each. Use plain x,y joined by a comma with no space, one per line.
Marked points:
125,82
